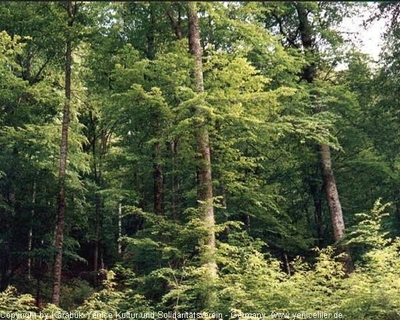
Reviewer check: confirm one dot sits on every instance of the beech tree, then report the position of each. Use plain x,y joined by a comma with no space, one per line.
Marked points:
302,34
203,165
59,232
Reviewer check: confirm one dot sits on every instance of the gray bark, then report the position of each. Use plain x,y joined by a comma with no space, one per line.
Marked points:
332,194
204,176
335,208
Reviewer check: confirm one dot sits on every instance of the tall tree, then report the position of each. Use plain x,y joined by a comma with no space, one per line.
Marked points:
61,201
302,33
204,177
329,182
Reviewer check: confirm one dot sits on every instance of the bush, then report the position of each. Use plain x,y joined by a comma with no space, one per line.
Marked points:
11,301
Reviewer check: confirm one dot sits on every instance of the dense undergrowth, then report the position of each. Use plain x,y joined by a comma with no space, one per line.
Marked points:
249,281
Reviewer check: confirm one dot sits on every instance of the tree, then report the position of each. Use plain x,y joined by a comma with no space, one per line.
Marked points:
59,231
204,177
302,34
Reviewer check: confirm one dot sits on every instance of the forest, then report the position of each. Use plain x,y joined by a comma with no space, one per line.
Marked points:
198,160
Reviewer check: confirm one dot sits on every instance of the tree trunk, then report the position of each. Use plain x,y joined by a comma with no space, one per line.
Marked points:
119,227
335,207
158,175
59,231
175,185
176,23
309,72
158,180
6,247
319,221
30,233
204,178
332,194
286,263
97,233
175,180
316,191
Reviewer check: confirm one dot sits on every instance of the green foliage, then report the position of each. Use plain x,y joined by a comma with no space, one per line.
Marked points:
13,302
250,281
132,117
112,301
368,232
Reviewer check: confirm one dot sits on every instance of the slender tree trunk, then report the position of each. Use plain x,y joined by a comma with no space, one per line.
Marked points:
175,180
38,294
316,191
97,205
59,231
97,235
158,175
30,233
309,72
176,23
332,194
204,178
99,144
151,44
319,221
158,181
5,253
119,227
286,263
335,208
